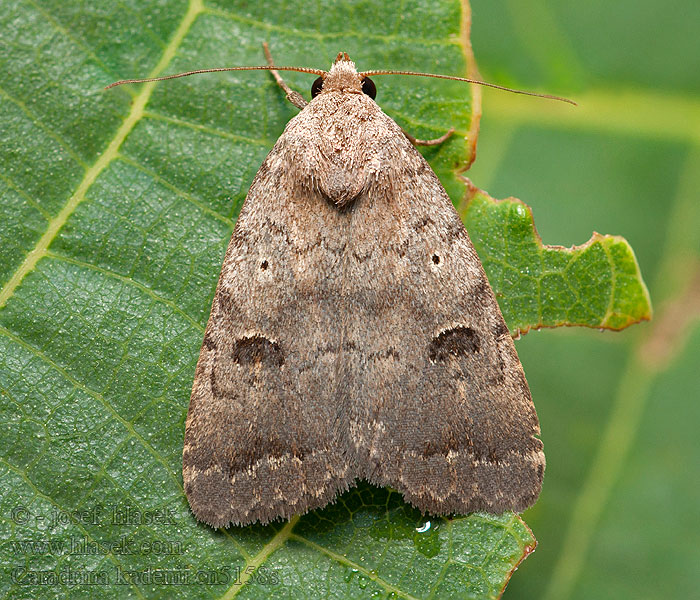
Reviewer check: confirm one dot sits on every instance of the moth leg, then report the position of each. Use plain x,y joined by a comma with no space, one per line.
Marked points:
294,97
434,142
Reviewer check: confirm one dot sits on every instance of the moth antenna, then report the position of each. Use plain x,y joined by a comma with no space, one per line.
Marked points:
217,70
476,81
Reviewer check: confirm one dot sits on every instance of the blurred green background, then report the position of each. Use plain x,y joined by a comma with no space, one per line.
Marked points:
618,515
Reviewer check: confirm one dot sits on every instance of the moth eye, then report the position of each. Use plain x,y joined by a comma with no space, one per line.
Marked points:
369,88
264,265
436,259
316,87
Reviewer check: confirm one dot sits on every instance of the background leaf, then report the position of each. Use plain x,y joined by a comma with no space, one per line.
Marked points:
117,208
618,411
597,284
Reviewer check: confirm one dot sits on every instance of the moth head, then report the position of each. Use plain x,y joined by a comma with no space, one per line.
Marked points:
343,77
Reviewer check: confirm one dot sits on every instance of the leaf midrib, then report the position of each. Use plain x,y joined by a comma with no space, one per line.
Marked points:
105,159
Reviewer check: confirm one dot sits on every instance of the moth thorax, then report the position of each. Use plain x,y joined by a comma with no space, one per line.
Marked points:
343,77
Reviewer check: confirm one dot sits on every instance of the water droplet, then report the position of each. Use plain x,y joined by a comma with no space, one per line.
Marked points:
424,527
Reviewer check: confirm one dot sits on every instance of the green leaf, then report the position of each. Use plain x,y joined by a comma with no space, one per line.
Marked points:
597,284
117,207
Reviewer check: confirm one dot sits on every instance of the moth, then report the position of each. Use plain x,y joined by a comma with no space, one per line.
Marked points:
354,334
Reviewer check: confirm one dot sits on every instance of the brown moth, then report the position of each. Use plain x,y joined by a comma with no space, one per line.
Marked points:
354,334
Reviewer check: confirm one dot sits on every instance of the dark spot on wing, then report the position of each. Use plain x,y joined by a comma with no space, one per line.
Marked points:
459,341
257,349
